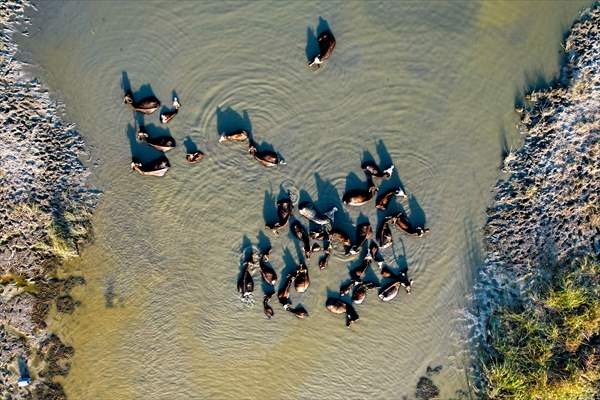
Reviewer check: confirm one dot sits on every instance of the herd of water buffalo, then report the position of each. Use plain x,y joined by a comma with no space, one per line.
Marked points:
163,143
325,238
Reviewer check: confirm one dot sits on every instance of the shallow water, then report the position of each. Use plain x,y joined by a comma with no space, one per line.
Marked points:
429,86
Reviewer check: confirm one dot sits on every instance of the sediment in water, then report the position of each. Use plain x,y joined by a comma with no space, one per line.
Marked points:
45,209
546,211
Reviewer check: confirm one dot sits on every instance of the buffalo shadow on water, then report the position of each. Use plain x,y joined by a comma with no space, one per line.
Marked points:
298,245
190,146
401,265
155,131
303,196
323,26
264,244
270,208
164,108
367,157
400,259
141,151
383,184
370,275
284,193
229,120
264,146
385,161
289,267
125,84
361,219
417,215
335,294
144,91
353,182
312,44
138,118
246,251
328,198
312,38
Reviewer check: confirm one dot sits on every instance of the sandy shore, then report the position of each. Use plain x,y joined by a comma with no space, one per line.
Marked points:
45,211
546,211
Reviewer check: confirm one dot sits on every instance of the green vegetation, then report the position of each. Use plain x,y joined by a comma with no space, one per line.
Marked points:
65,233
549,348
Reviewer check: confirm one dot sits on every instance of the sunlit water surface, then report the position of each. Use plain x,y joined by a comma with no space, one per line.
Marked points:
429,85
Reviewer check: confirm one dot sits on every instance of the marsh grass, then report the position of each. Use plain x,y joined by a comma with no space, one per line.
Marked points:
548,349
66,232
61,242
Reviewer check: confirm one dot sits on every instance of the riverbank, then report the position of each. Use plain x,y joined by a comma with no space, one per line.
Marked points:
45,210
545,219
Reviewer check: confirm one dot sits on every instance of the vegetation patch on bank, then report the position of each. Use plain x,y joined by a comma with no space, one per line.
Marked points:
549,348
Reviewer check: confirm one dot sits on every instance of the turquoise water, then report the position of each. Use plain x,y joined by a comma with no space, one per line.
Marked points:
428,85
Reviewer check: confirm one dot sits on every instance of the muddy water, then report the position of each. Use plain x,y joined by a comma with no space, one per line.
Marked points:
429,86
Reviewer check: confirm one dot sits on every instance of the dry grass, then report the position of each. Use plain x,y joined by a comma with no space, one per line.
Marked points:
61,244
27,285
